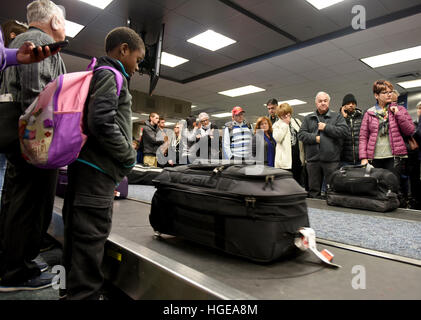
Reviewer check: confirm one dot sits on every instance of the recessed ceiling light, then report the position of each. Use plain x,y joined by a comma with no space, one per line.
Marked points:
293,102
393,57
135,118
171,60
193,107
98,3
410,84
211,40
321,4
241,91
222,115
145,114
169,123
72,28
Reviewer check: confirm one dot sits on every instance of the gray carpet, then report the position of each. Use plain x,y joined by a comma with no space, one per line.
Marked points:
140,192
395,236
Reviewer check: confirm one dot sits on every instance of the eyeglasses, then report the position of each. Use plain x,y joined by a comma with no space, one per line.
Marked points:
386,92
287,116
203,121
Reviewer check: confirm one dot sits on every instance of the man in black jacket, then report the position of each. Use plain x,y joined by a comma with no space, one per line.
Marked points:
353,117
322,133
150,141
103,162
272,104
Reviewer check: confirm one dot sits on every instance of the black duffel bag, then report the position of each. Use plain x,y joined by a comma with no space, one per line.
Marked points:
363,180
9,122
249,211
364,187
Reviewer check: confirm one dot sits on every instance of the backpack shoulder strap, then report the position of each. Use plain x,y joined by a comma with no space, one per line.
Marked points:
118,77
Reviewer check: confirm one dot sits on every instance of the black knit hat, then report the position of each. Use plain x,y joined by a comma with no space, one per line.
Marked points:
349,98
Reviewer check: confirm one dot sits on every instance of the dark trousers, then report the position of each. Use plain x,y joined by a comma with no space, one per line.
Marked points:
317,172
26,211
87,213
297,167
414,180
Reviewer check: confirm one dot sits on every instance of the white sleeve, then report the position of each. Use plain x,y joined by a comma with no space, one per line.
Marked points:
227,145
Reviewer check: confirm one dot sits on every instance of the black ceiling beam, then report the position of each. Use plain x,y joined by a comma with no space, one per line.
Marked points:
251,15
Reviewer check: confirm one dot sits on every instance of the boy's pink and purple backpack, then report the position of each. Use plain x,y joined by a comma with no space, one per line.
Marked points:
50,131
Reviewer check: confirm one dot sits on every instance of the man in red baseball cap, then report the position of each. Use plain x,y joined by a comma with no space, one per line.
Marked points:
237,136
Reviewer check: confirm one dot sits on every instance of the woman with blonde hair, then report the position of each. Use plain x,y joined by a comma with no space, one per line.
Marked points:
282,136
263,123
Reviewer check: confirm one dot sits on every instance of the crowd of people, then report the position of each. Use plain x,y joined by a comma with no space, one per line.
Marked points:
383,135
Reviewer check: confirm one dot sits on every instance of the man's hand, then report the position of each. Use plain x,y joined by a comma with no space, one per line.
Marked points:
322,126
25,54
318,139
165,138
364,161
344,112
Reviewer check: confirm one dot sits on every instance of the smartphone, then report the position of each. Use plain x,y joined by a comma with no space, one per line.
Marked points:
53,46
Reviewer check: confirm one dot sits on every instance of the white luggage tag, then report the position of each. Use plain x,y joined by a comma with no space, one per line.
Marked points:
308,241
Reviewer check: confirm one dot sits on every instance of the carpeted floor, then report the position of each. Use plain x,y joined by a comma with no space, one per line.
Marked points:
140,192
395,236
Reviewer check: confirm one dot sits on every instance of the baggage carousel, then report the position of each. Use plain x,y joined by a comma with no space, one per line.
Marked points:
144,266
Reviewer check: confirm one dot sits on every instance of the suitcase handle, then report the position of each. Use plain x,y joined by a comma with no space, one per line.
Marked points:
367,167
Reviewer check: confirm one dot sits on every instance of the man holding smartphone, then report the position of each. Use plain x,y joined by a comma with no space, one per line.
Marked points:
29,192
353,117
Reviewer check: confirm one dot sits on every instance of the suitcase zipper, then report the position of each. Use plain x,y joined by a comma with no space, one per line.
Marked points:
250,202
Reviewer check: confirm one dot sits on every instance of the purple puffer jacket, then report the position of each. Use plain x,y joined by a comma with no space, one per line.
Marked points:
400,124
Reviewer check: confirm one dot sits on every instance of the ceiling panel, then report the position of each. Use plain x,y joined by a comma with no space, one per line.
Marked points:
207,12
331,58
273,61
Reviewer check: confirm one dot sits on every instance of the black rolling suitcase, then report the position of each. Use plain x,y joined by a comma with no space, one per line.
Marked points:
364,187
250,213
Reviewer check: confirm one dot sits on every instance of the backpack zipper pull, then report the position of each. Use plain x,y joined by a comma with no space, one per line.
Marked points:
268,181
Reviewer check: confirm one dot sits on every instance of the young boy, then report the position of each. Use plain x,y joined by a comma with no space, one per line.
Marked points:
104,160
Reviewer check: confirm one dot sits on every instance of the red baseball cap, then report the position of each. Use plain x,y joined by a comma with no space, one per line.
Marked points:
237,110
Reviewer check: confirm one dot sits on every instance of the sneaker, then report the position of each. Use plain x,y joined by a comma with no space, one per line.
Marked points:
44,280
62,294
41,264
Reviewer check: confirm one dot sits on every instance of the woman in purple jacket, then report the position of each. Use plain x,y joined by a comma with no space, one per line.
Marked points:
382,130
